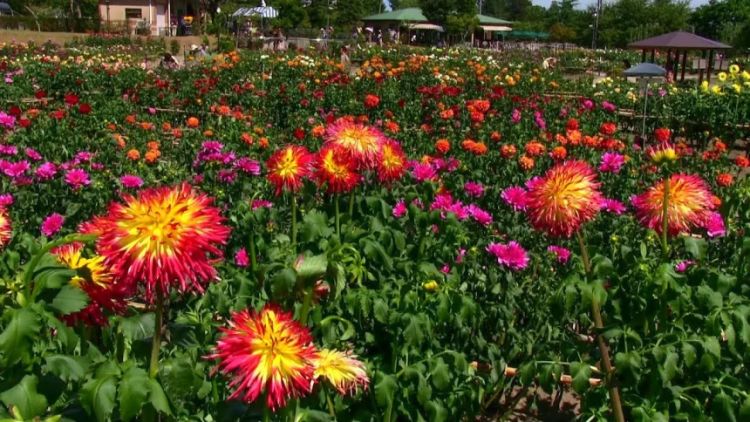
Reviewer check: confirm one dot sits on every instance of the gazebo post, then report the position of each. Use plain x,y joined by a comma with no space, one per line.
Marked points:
700,68
708,65
684,63
668,62
653,52
643,55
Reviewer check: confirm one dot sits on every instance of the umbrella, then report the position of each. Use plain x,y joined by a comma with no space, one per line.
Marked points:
645,71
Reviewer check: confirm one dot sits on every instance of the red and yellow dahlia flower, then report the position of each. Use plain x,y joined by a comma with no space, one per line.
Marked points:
341,369
335,171
391,162
5,228
269,352
288,167
162,237
360,142
565,198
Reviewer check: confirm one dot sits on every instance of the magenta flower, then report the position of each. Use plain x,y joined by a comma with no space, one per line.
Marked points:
77,178
562,254
511,255
261,203
612,162
714,225
516,197
52,224
607,106
46,171
423,171
479,215
682,266
515,116
131,182
399,210
445,269
7,120
241,259
460,256
247,165
6,200
612,205
227,176
474,189
33,154
16,169
8,149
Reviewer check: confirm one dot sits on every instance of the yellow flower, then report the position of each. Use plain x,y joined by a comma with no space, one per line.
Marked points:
722,76
430,285
734,69
745,75
704,86
737,88
716,89
342,369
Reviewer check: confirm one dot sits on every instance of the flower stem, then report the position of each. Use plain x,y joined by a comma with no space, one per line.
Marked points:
614,391
153,369
306,304
253,260
338,216
331,408
294,221
665,218
351,204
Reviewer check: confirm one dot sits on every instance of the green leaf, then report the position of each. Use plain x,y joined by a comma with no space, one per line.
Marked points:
380,310
696,247
424,391
526,373
581,374
385,388
98,397
745,410
25,398
179,378
603,267
283,282
413,333
16,339
440,375
708,297
311,268
138,327
70,299
689,356
437,412
669,368
315,225
711,345
722,408
65,367
54,277
157,397
134,388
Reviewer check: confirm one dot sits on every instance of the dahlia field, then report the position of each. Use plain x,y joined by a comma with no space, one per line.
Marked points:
437,235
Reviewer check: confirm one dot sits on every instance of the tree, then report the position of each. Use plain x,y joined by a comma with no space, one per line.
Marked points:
438,11
724,20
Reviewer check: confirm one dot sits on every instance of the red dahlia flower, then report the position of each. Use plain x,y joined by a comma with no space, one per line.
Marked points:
359,142
336,171
391,162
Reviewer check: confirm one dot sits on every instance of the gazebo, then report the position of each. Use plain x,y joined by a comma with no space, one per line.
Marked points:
680,42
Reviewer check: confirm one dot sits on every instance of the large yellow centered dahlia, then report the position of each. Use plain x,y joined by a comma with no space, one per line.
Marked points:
341,369
336,171
162,237
391,162
266,352
690,205
5,229
288,168
360,142
565,198
93,277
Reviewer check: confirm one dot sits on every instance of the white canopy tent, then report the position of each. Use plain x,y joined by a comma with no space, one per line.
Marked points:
265,12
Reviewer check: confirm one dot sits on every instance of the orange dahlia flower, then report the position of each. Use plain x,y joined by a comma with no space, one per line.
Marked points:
565,198
266,352
288,167
162,237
